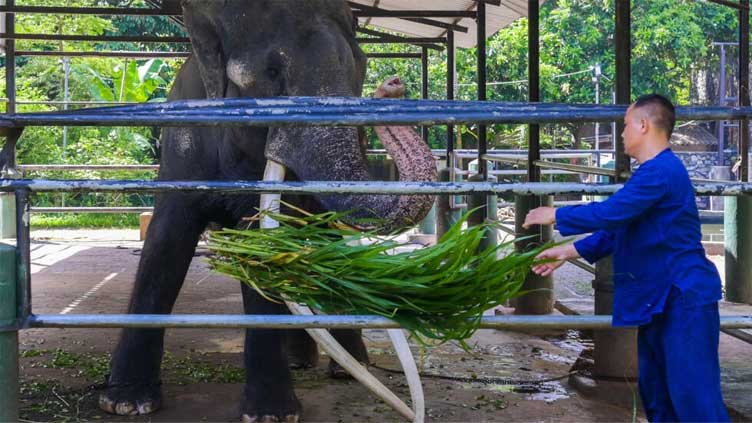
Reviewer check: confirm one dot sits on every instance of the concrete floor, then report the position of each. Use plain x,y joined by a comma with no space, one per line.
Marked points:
92,272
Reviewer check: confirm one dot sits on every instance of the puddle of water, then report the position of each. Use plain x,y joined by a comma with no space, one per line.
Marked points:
572,341
550,392
555,358
546,391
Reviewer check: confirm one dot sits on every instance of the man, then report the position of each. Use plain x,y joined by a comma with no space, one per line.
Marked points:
663,283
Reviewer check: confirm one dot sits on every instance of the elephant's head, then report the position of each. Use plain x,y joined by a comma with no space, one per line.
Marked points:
269,48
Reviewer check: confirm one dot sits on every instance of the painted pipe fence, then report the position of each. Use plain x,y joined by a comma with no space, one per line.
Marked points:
15,279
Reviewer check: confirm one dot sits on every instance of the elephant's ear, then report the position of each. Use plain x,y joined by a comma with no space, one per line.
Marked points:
201,17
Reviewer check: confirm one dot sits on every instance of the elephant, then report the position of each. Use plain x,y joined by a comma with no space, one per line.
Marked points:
256,49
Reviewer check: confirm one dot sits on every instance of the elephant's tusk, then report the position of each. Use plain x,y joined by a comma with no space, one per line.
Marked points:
276,172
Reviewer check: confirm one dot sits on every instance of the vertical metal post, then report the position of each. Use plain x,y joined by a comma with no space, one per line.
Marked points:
744,86
424,85
722,102
481,214
10,59
443,202
597,81
23,254
7,204
738,210
8,339
541,299
533,95
428,224
623,77
481,36
444,218
66,98
615,351
8,255
451,79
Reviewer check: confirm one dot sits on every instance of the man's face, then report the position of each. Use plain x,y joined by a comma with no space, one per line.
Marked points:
633,131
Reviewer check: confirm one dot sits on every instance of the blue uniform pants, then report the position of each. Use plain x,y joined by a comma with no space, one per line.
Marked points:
678,358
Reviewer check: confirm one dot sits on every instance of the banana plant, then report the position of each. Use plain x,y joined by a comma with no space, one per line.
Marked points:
126,82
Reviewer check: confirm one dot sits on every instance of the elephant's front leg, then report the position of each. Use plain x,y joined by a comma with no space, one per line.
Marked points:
269,394
134,381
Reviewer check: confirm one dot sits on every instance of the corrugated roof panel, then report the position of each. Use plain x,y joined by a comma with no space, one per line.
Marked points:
497,17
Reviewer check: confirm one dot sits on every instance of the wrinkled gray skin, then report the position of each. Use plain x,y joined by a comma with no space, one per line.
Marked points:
254,48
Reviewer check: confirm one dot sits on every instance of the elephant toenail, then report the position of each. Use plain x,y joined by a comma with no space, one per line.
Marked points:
125,409
146,408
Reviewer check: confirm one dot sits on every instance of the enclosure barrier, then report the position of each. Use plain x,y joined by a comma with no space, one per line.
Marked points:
15,278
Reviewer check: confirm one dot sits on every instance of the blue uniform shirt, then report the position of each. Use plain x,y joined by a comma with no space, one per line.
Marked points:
652,228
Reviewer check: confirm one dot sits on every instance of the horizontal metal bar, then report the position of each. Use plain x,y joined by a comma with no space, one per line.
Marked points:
102,210
320,187
400,40
575,168
384,13
323,322
512,154
728,4
126,54
387,37
48,168
424,21
514,172
519,159
102,38
115,11
172,54
338,187
74,103
344,111
394,55
152,39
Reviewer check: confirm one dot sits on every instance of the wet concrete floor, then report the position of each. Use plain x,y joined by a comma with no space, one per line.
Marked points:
508,376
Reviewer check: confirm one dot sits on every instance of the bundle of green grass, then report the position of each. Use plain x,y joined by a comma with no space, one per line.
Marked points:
438,293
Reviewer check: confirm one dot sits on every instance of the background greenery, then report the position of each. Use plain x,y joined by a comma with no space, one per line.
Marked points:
673,53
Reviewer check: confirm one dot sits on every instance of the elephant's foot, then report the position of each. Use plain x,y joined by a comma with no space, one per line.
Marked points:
302,351
131,400
269,419
356,348
301,363
335,371
265,409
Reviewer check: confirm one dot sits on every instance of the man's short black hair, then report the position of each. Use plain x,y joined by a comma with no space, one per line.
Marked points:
661,112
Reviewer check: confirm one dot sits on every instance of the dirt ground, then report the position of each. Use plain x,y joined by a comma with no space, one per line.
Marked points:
508,376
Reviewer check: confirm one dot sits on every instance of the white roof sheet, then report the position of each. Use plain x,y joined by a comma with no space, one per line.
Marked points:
497,17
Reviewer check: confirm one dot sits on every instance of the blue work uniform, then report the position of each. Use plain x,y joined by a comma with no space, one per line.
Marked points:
663,283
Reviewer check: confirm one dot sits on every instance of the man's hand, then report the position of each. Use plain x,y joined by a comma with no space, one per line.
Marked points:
540,216
559,254
391,88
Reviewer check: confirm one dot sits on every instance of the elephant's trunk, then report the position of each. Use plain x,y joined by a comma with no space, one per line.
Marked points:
333,154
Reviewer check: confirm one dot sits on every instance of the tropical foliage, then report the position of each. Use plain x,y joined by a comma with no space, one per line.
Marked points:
673,54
